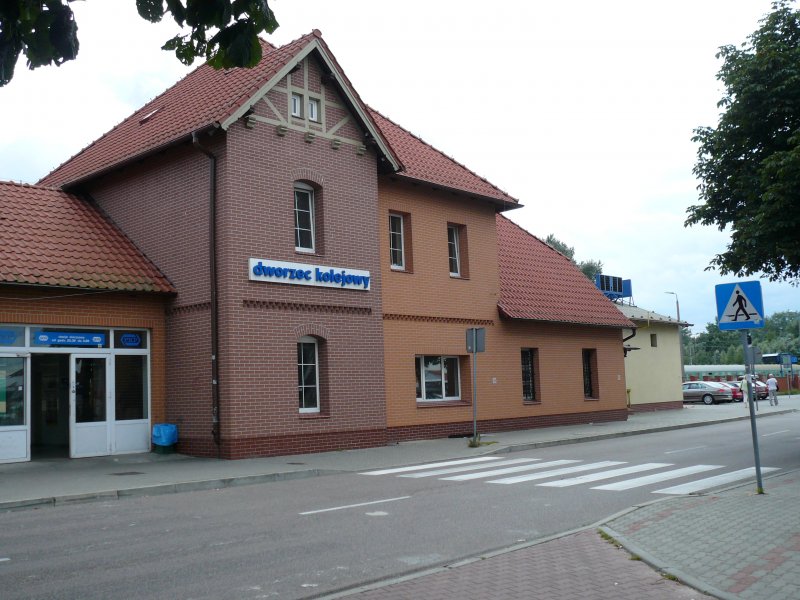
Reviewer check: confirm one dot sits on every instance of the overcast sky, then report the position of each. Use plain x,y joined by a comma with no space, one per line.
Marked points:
582,110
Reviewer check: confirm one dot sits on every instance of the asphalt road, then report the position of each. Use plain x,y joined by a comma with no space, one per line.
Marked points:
301,538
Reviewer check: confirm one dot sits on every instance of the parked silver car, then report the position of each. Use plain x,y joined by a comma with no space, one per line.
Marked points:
707,392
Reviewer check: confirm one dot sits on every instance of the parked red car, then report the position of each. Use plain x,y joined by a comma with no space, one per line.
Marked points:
738,395
762,391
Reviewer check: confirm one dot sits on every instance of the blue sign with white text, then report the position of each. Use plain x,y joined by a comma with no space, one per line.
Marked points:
69,338
739,305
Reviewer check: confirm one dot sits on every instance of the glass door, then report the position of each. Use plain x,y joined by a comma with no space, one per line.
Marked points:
90,397
14,413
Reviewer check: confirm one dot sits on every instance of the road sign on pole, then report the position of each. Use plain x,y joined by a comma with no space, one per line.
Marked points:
476,342
739,305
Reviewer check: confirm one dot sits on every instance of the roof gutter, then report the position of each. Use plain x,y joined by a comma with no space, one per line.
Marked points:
189,137
212,263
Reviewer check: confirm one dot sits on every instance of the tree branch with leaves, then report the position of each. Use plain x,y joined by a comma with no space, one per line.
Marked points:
749,165
223,32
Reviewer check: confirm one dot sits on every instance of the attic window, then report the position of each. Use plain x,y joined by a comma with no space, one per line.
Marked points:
297,105
149,115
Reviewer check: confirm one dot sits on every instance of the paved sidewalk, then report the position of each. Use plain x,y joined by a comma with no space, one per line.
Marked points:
574,567
730,544
54,481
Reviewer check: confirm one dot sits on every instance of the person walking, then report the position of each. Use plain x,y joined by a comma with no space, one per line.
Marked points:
772,387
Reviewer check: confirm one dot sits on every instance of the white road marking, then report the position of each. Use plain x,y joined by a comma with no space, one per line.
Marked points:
605,475
775,433
494,472
557,472
709,482
656,478
322,510
431,465
4,559
512,461
685,449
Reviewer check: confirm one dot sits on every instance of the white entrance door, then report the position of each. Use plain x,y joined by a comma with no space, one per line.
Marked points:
15,431
90,406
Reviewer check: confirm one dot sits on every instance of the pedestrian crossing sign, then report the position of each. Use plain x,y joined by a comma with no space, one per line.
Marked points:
739,305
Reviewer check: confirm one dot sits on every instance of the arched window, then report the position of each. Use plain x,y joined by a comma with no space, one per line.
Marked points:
303,217
308,374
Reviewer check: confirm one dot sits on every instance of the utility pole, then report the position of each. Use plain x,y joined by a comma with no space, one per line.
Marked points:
680,334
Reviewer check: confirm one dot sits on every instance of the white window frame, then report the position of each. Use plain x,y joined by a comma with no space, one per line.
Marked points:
300,384
302,187
453,250
296,105
419,366
314,109
402,264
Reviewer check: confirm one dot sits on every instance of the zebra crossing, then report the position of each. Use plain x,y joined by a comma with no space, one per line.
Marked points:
570,472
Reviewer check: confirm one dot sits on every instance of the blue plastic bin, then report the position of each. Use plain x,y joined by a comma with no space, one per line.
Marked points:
165,436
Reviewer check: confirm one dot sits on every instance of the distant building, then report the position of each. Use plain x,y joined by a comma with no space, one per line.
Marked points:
653,370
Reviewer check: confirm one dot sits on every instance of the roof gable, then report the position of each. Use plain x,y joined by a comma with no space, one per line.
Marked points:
205,99
539,283
57,239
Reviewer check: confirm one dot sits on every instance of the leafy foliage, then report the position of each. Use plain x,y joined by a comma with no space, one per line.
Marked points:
590,268
781,333
46,31
749,165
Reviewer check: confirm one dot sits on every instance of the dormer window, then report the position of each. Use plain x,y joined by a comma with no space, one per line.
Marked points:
297,105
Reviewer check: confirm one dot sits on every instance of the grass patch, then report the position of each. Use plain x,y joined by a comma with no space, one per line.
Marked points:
475,442
609,539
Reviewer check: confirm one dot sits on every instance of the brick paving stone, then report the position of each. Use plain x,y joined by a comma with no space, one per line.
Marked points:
739,542
580,566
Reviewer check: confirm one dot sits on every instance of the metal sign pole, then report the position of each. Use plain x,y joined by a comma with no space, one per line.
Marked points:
751,392
474,384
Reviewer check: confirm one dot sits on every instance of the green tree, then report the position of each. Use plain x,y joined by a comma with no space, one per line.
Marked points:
749,165
590,267
45,31
781,333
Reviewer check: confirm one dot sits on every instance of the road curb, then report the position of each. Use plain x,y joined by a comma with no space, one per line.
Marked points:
603,436
654,562
160,489
226,482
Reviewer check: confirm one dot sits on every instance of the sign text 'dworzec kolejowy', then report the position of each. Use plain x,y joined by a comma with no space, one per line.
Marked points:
276,271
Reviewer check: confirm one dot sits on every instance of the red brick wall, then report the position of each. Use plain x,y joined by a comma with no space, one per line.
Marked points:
48,306
161,204
262,322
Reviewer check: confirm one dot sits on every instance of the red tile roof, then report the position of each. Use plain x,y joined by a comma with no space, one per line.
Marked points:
541,284
204,98
57,239
423,162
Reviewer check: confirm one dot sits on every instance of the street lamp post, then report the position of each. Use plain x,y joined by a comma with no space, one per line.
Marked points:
680,334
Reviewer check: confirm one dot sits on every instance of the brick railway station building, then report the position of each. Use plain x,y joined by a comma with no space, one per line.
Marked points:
262,259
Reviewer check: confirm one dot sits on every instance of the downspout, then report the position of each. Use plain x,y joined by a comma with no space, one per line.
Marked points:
212,263
625,354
